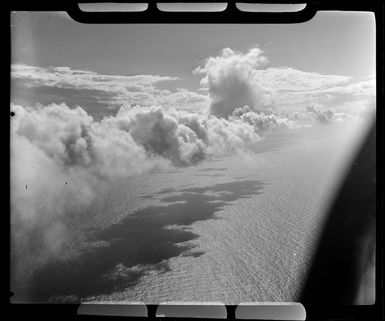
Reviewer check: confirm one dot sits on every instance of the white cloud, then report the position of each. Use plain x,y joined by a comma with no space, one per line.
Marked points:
229,80
237,79
62,159
292,89
185,100
111,91
66,77
285,78
329,115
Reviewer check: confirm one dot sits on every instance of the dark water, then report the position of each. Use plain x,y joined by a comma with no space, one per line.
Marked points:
137,244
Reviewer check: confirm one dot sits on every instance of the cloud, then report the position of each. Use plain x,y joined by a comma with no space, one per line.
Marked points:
65,77
39,201
329,115
160,134
186,100
62,160
183,137
229,80
235,79
293,90
290,79
321,116
99,94
262,122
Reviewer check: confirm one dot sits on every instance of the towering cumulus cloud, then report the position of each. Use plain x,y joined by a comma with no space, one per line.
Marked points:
229,78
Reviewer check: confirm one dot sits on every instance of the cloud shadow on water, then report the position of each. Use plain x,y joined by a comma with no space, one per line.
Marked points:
144,240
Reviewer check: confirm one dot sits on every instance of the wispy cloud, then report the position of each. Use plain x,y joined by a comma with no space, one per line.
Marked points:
95,92
65,77
292,89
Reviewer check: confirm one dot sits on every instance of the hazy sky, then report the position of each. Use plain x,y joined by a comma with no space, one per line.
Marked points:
338,43
340,46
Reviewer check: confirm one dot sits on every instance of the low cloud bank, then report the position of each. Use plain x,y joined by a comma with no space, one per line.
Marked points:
62,159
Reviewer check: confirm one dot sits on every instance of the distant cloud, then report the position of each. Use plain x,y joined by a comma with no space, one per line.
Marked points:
292,89
186,100
232,80
96,92
329,115
236,79
65,77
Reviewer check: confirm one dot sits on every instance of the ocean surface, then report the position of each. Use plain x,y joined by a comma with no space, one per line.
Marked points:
239,228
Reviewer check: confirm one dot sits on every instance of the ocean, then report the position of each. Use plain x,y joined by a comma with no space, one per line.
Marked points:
239,228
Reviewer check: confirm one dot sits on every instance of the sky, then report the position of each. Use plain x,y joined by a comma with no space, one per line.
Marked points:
332,43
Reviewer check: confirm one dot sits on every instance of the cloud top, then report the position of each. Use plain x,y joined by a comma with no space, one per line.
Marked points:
229,80
235,79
